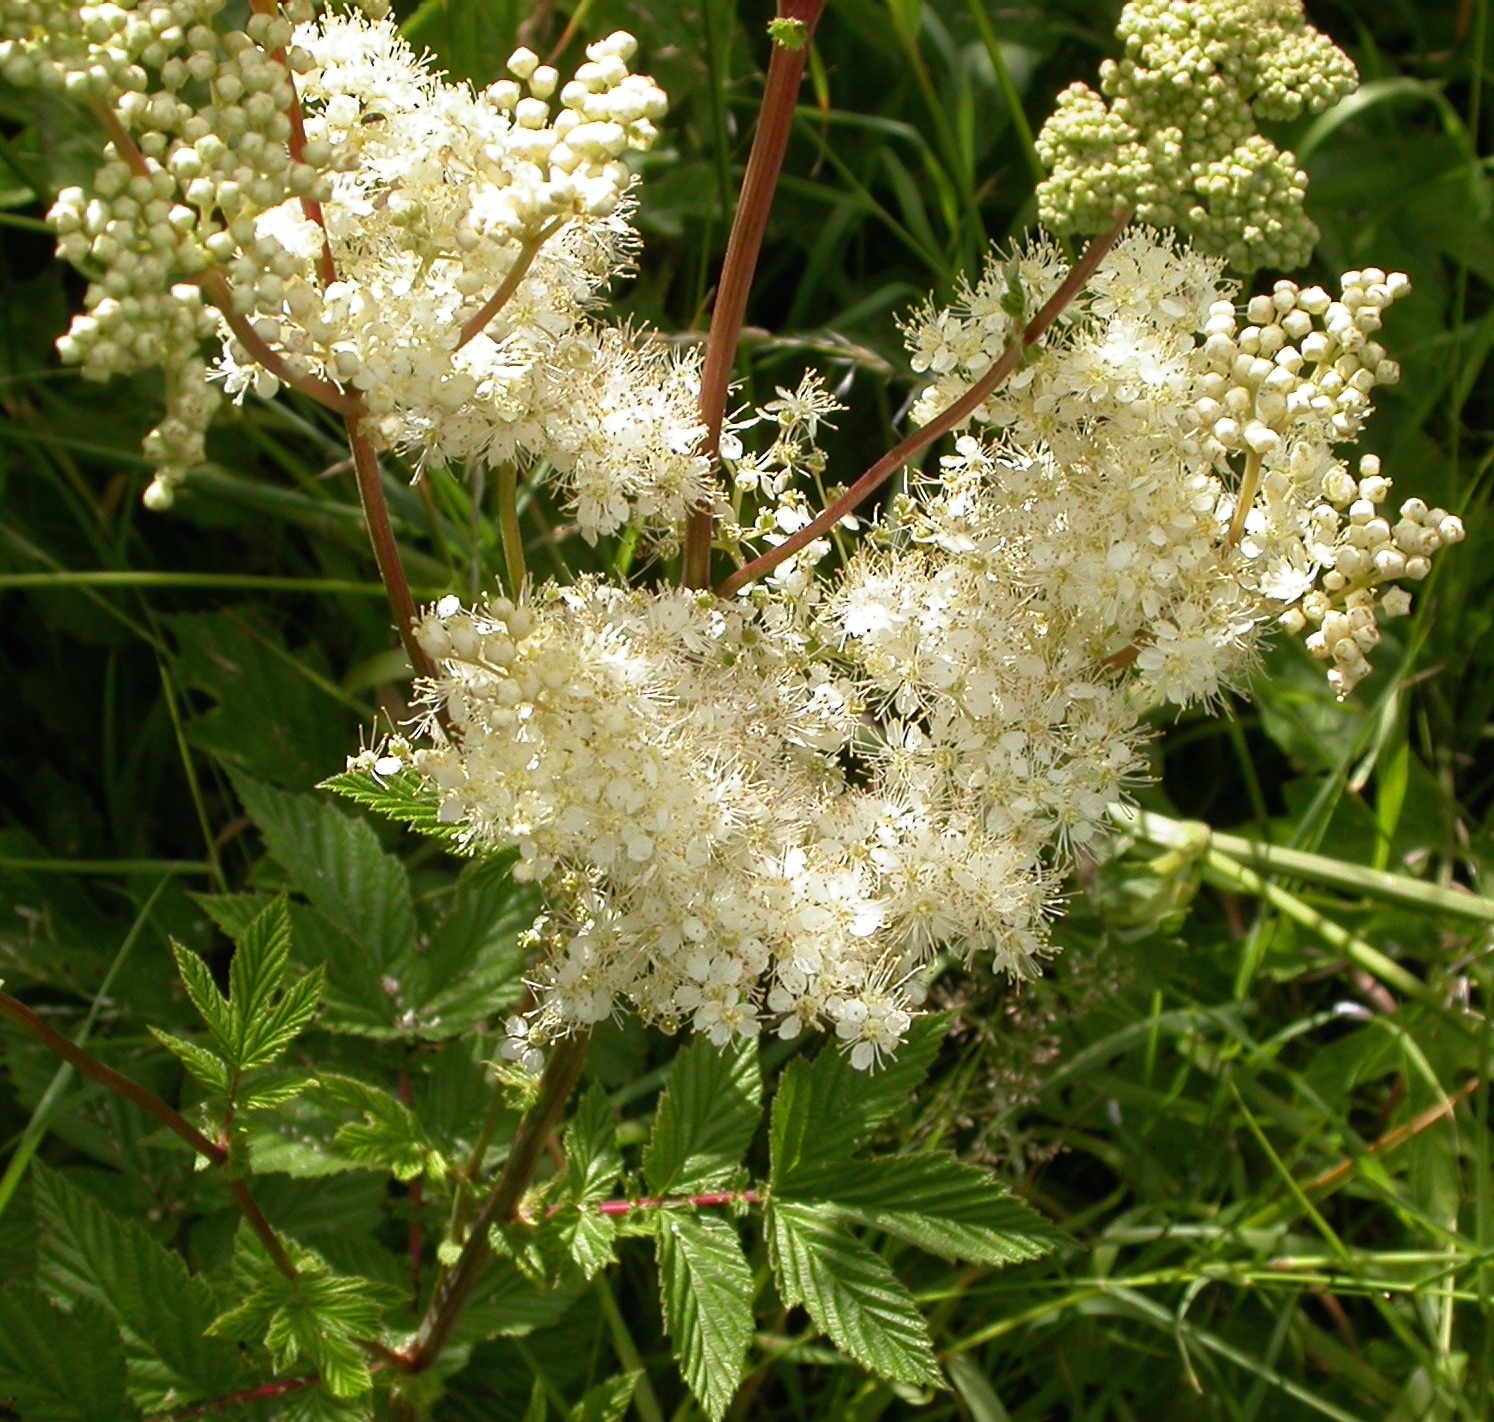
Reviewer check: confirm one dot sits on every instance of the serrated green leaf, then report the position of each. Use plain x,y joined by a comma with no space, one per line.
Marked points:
850,1293
473,968
706,1118
60,1367
592,1159
338,864
207,1067
211,1005
318,1316
261,1016
265,1040
267,1014
951,1209
389,1135
407,798
261,956
588,1237
83,1251
826,1110
706,1288
607,1401
277,1091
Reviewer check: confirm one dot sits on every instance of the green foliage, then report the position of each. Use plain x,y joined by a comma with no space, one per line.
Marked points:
388,1134
387,974
319,1318
933,1201
592,1165
850,1292
706,1287
60,1366
86,1252
608,1401
706,1119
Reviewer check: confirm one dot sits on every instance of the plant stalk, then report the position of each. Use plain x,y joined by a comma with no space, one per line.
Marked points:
561,1073
760,181
528,251
956,414
509,533
29,1022
386,550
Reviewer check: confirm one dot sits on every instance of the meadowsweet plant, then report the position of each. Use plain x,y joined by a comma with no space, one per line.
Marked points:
814,746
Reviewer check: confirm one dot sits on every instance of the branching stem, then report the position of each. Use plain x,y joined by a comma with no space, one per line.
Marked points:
29,1022
217,290
774,124
475,325
386,549
560,1076
947,420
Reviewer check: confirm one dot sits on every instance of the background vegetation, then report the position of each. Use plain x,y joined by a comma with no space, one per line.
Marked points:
1255,1095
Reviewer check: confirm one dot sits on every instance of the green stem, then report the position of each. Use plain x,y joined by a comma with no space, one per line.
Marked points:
508,528
1192,836
36,1128
645,1399
107,866
561,1073
1355,949
955,415
1245,499
252,582
764,164
1008,89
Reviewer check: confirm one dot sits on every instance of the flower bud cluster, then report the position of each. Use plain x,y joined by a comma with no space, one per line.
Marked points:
1304,363
1170,470
1362,551
181,181
1177,142
352,216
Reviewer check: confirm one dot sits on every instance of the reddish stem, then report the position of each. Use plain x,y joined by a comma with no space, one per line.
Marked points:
152,1105
956,414
386,550
296,147
124,145
215,285
475,325
669,1202
263,1393
560,1076
774,124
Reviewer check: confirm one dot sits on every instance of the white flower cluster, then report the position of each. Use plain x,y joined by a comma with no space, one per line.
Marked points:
678,771
373,233
771,812
1206,451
